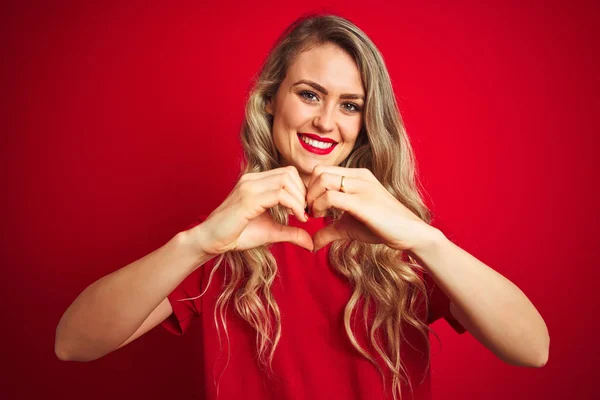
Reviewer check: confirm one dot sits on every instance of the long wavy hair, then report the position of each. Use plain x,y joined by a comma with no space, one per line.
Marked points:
384,280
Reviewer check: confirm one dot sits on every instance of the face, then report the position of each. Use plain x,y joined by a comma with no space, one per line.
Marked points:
317,110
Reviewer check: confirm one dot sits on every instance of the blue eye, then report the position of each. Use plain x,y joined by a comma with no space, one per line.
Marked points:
352,107
310,96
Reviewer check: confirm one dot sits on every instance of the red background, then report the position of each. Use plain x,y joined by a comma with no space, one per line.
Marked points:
121,125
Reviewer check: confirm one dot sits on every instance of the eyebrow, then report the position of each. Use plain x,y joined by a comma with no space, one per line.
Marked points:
321,89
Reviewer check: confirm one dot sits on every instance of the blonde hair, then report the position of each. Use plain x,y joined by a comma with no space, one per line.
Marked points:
381,276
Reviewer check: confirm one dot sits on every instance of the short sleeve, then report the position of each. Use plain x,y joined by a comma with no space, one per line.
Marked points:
439,305
184,311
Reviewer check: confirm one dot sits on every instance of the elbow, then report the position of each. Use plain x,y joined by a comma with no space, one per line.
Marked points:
59,347
66,352
529,354
543,352
540,360
60,344
539,357
539,347
66,347
543,355
60,350
60,353
534,360
64,355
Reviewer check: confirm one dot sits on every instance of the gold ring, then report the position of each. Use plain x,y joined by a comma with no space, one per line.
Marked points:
342,184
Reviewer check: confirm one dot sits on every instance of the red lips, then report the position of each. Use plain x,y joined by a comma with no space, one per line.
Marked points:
314,149
317,137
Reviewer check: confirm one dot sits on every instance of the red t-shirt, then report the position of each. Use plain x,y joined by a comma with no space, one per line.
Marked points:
314,358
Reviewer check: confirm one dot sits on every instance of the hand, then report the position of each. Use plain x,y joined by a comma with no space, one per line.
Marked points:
371,213
242,222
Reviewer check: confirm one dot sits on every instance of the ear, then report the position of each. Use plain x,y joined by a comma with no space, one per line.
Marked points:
269,106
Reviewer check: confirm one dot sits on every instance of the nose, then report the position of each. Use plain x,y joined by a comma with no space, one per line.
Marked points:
325,119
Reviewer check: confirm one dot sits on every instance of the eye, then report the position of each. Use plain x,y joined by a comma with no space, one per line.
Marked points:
351,107
308,95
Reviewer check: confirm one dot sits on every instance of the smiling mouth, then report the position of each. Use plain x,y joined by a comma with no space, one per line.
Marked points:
316,146
316,143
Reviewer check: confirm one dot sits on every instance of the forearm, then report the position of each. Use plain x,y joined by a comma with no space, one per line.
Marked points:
494,310
111,309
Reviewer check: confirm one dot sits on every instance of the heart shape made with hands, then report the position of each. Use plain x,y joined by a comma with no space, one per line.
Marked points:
371,214
325,190
347,227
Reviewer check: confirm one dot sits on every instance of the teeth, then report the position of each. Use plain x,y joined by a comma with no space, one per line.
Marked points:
316,143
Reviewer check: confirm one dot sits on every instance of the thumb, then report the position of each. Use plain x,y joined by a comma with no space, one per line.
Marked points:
293,235
327,235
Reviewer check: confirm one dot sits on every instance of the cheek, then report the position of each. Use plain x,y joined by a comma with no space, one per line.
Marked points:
290,117
351,130
294,114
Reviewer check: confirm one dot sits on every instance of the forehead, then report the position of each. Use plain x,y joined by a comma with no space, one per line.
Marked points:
329,66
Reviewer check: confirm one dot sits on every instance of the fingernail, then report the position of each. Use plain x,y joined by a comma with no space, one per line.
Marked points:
306,216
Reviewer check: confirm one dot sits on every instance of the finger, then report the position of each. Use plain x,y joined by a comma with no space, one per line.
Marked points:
358,173
274,182
296,176
283,197
293,235
328,181
291,184
290,170
334,199
327,235
316,172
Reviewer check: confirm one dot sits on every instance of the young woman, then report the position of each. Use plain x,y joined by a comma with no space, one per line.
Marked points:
319,275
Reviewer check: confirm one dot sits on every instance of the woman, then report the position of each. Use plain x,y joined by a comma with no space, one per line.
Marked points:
349,318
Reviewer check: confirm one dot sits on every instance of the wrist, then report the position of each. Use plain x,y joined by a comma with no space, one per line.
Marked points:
431,240
191,240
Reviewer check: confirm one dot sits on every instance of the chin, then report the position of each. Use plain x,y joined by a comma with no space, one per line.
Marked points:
306,165
309,165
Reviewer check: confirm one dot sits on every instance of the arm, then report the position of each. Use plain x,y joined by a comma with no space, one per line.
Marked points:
488,305
123,305
494,310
